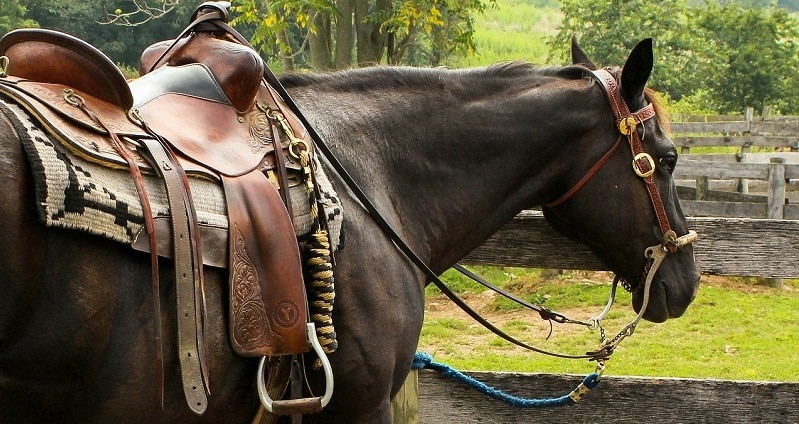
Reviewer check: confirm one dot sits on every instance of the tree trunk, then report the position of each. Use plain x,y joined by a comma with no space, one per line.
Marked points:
288,61
370,40
319,42
345,34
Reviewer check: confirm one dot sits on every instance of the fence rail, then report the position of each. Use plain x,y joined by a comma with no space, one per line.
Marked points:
617,400
757,180
726,246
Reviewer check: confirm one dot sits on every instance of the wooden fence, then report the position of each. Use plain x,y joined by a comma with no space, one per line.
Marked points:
756,179
741,233
616,400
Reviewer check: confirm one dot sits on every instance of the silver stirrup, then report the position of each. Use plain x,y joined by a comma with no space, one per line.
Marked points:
286,407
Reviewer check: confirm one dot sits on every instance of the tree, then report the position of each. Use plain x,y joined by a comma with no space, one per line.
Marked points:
89,21
728,56
13,16
759,51
336,34
609,30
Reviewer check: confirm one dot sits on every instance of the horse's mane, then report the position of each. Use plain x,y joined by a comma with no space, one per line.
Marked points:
400,76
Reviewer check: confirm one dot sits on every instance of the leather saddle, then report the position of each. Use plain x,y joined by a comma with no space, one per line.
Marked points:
201,108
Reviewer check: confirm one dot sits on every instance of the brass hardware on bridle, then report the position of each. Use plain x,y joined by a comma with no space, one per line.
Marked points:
640,158
627,125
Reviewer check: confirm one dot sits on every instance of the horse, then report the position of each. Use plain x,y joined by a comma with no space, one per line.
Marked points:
447,157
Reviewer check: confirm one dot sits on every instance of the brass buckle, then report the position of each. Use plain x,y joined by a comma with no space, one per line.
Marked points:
627,125
649,159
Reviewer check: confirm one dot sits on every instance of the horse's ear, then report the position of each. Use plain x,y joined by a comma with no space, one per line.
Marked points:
637,69
579,57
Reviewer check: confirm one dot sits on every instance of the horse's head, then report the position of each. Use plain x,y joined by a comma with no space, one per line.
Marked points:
619,206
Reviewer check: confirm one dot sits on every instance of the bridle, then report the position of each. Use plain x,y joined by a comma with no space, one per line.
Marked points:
643,163
644,166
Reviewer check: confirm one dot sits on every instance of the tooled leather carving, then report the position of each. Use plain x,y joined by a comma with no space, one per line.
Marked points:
265,265
248,313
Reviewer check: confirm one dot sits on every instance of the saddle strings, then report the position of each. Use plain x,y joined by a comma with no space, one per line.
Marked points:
149,224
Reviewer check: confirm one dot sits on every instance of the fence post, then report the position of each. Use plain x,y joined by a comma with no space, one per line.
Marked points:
776,200
405,404
702,188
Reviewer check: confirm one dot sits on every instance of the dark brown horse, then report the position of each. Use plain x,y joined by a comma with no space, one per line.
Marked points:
448,156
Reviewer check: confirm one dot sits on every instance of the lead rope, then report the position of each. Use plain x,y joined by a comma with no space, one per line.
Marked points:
424,360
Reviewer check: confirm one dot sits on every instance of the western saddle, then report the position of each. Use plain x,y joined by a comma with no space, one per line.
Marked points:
202,107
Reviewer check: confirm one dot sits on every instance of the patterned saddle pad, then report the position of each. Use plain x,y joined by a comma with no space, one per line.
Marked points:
78,194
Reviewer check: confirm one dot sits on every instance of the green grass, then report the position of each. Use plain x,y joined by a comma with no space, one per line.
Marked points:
738,330
512,30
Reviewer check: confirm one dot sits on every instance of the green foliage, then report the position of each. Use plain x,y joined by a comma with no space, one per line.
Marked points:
89,21
730,56
700,102
428,32
418,32
609,30
510,30
280,26
759,53
12,16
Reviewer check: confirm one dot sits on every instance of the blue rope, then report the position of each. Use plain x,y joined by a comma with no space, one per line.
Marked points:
425,360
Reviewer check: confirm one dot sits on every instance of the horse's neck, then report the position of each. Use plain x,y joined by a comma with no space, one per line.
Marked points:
450,164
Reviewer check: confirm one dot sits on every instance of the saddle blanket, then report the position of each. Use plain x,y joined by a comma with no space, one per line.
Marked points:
78,194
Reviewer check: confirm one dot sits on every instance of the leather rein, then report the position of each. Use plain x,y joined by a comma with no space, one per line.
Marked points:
644,166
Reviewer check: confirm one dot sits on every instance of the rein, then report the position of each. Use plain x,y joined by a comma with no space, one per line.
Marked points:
643,165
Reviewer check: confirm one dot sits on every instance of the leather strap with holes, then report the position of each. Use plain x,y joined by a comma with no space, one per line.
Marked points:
643,164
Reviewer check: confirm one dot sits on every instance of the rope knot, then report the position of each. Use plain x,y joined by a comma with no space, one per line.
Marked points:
421,360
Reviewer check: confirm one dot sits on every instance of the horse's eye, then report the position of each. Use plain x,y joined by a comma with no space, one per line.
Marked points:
668,162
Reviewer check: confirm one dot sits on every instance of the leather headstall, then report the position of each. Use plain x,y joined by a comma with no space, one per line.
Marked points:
643,164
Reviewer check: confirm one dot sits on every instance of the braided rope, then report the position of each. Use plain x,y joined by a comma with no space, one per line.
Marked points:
318,271
424,360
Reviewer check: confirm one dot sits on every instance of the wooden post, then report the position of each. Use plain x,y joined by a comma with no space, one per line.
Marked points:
776,200
743,183
702,188
405,405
